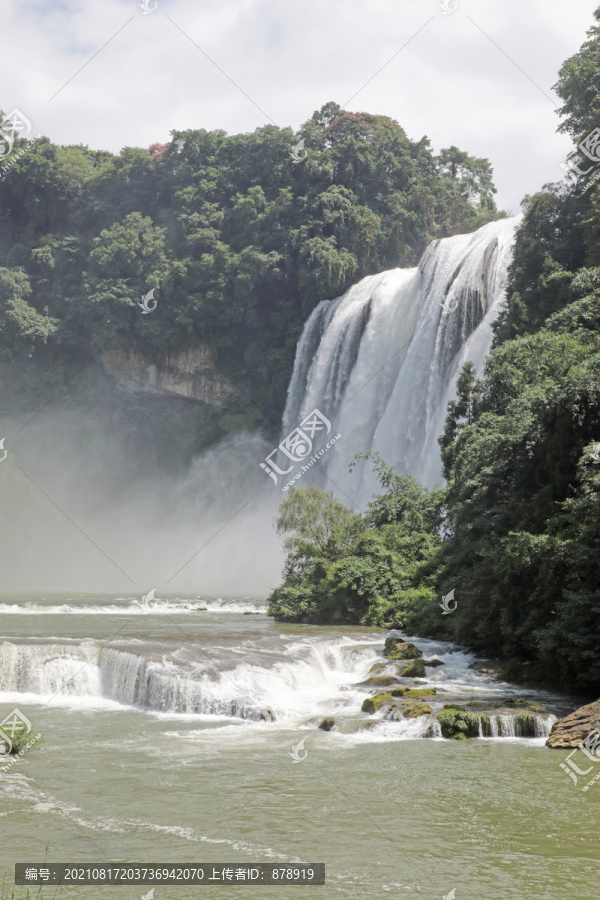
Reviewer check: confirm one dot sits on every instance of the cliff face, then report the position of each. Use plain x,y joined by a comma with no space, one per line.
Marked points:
190,373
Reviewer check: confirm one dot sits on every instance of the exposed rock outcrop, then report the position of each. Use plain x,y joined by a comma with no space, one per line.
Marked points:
398,649
413,693
191,373
372,704
380,681
415,669
414,710
327,724
569,731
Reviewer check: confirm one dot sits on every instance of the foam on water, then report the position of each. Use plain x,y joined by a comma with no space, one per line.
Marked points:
129,607
381,361
305,680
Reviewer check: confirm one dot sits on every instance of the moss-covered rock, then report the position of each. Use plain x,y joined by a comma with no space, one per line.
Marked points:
486,726
380,681
433,663
377,667
397,649
457,723
372,704
415,669
328,724
526,704
525,725
413,693
414,710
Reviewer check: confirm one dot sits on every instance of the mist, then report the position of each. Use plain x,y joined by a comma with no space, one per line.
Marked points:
81,512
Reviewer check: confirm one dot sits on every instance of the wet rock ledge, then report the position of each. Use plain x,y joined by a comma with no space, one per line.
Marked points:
571,730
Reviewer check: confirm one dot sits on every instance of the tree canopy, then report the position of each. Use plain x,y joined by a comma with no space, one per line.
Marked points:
238,240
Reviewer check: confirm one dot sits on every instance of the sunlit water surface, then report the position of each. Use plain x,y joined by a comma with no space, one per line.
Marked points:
154,751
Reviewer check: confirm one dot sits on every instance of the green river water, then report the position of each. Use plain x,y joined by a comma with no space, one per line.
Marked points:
153,752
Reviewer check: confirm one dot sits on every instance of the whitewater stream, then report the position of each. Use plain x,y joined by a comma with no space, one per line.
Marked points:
169,735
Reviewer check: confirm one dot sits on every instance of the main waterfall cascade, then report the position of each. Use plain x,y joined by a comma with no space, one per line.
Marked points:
381,361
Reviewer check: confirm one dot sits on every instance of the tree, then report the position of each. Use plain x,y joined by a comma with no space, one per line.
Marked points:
22,327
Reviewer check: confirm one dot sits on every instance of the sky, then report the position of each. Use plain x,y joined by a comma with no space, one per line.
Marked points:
110,74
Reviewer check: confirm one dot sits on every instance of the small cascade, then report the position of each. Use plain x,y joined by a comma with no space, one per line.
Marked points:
48,668
518,725
506,725
132,680
307,678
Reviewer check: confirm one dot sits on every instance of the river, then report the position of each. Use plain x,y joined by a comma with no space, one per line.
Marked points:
154,751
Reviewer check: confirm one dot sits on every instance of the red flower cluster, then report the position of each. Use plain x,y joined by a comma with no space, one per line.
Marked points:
158,150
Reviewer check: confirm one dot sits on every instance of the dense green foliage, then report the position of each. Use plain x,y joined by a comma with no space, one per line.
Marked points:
359,569
520,448
238,240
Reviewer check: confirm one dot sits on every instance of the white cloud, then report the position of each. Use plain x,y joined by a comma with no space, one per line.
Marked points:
450,82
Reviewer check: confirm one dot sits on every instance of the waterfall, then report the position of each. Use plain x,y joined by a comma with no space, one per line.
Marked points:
381,361
309,679
48,668
520,725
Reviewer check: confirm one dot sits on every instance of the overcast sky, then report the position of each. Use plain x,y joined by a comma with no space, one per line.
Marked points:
103,73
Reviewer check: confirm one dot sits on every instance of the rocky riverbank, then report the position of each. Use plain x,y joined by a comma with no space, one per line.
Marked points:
571,730
401,687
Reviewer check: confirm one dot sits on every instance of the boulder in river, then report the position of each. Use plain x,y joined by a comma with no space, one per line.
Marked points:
457,723
414,710
398,649
491,667
415,669
413,693
267,715
372,704
380,681
328,724
392,712
433,662
377,667
571,730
